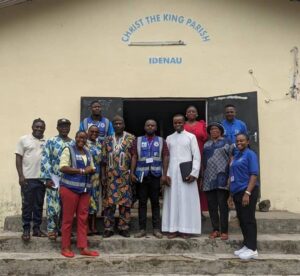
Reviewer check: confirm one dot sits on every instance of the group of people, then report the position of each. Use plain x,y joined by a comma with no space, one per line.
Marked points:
95,173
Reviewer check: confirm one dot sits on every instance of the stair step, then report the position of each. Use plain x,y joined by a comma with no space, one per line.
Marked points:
52,263
272,222
283,243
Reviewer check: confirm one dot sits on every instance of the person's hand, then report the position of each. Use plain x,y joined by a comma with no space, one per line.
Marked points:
133,178
49,184
163,180
169,181
245,200
22,181
190,179
89,169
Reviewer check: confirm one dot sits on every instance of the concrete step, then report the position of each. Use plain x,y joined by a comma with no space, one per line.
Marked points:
283,243
273,222
147,264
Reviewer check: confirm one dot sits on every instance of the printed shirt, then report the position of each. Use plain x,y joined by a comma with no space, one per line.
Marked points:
216,164
243,165
118,161
51,156
30,148
232,129
95,150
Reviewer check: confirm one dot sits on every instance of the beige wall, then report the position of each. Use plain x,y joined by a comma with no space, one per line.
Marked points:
54,52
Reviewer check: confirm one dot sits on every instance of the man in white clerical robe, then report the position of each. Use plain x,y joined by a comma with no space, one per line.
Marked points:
181,206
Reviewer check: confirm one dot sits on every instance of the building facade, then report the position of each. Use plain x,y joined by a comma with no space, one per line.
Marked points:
53,53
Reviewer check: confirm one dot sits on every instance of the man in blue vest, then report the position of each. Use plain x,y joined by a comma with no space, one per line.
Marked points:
232,126
104,125
149,165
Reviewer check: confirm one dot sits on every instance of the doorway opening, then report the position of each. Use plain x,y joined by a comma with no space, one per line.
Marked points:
137,111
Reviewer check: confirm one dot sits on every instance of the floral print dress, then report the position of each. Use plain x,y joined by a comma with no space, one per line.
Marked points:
96,192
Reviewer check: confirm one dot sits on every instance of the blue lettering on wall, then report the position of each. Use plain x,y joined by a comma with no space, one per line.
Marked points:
165,18
165,60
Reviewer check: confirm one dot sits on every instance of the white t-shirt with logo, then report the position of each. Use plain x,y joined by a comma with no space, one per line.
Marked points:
30,148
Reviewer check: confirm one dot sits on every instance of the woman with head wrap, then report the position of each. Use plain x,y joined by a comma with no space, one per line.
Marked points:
96,191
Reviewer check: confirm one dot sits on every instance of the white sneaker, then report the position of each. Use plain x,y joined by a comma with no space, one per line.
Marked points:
238,252
248,254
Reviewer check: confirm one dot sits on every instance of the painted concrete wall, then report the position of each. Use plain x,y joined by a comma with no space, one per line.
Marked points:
54,52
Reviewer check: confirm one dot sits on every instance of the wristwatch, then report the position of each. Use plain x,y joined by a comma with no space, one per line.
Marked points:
248,193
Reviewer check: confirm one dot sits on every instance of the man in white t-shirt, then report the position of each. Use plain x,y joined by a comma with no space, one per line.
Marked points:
28,163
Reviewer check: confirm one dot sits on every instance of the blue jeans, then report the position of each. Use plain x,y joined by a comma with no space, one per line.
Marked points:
32,203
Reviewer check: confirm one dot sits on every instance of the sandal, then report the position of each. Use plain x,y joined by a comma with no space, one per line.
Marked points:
185,236
66,252
172,236
26,236
214,234
90,253
224,236
52,236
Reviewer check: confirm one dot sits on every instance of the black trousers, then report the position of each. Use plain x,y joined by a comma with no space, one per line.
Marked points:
218,209
149,188
33,194
246,216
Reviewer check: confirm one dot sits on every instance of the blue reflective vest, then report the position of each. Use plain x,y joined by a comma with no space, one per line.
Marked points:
149,151
103,126
76,182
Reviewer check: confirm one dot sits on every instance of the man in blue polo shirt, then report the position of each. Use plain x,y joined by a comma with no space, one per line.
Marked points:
232,126
104,125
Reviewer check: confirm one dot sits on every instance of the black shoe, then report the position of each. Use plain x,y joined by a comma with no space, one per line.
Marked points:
26,235
108,233
124,233
38,233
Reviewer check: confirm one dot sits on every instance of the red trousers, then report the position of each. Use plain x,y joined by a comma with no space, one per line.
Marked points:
73,203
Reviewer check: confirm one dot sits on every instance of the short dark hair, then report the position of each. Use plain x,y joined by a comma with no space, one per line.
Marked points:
179,115
150,120
95,101
229,105
38,120
245,135
192,107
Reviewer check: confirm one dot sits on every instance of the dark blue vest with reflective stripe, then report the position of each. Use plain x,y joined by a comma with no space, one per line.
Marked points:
103,126
148,150
76,182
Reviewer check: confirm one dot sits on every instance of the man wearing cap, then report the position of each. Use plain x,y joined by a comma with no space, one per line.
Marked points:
104,125
51,174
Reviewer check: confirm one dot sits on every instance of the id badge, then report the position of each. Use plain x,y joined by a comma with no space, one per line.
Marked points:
149,160
232,178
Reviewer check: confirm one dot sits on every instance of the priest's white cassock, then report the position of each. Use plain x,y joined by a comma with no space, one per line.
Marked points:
181,203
